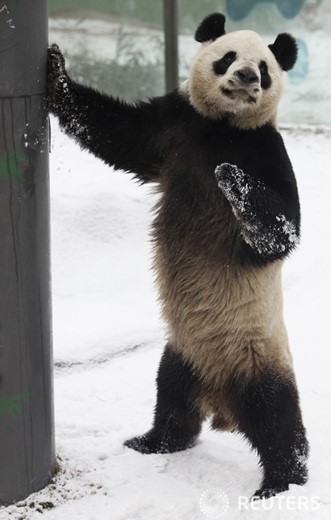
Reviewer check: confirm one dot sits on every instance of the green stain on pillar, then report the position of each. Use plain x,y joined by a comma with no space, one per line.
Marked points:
9,168
10,404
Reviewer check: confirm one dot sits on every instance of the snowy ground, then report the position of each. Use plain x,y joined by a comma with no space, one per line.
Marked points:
107,345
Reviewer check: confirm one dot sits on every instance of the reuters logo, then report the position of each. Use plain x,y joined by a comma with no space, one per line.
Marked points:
214,503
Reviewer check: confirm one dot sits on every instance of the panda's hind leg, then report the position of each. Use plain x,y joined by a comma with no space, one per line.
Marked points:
177,419
270,418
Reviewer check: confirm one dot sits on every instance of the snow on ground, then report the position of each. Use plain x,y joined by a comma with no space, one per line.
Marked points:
108,340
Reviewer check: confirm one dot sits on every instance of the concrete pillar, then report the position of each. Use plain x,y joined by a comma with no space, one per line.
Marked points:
27,451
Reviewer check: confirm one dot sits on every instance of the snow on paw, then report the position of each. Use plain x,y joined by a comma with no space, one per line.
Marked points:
57,79
55,61
235,185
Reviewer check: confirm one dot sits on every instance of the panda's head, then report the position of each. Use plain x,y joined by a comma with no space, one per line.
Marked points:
237,75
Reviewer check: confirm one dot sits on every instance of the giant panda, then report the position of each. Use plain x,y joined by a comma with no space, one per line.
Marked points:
227,218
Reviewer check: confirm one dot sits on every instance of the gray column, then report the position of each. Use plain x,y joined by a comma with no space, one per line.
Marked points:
27,451
170,16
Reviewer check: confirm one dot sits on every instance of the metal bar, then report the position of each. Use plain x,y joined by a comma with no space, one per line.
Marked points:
170,18
27,449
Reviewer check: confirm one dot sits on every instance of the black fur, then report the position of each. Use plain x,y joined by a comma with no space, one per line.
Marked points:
266,81
285,51
261,214
167,137
210,28
177,422
270,418
267,410
221,66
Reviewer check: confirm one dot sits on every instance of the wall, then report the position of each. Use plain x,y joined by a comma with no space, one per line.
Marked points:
117,45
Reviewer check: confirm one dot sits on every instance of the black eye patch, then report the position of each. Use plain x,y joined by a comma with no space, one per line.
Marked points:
222,65
265,77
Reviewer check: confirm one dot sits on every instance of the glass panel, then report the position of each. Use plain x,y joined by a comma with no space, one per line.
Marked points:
115,46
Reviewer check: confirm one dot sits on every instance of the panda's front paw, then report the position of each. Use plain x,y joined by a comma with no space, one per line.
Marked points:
226,171
57,79
235,185
229,177
56,61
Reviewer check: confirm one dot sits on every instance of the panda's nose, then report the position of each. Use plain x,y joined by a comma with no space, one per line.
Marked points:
247,75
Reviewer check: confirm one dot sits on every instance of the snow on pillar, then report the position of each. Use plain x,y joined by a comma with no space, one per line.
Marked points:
27,451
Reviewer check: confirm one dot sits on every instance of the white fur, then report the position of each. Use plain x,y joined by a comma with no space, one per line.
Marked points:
204,87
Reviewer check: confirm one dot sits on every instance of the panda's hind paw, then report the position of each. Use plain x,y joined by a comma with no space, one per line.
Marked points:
151,442
269,491
148,444
140,444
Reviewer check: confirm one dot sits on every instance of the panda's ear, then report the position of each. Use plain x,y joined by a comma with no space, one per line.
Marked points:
285,50
210,28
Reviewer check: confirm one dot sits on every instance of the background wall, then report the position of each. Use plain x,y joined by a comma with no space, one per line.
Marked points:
117,45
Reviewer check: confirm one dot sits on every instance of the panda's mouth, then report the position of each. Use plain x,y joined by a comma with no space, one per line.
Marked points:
242,94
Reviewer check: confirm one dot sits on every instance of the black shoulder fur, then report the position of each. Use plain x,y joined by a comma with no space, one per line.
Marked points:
166,140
